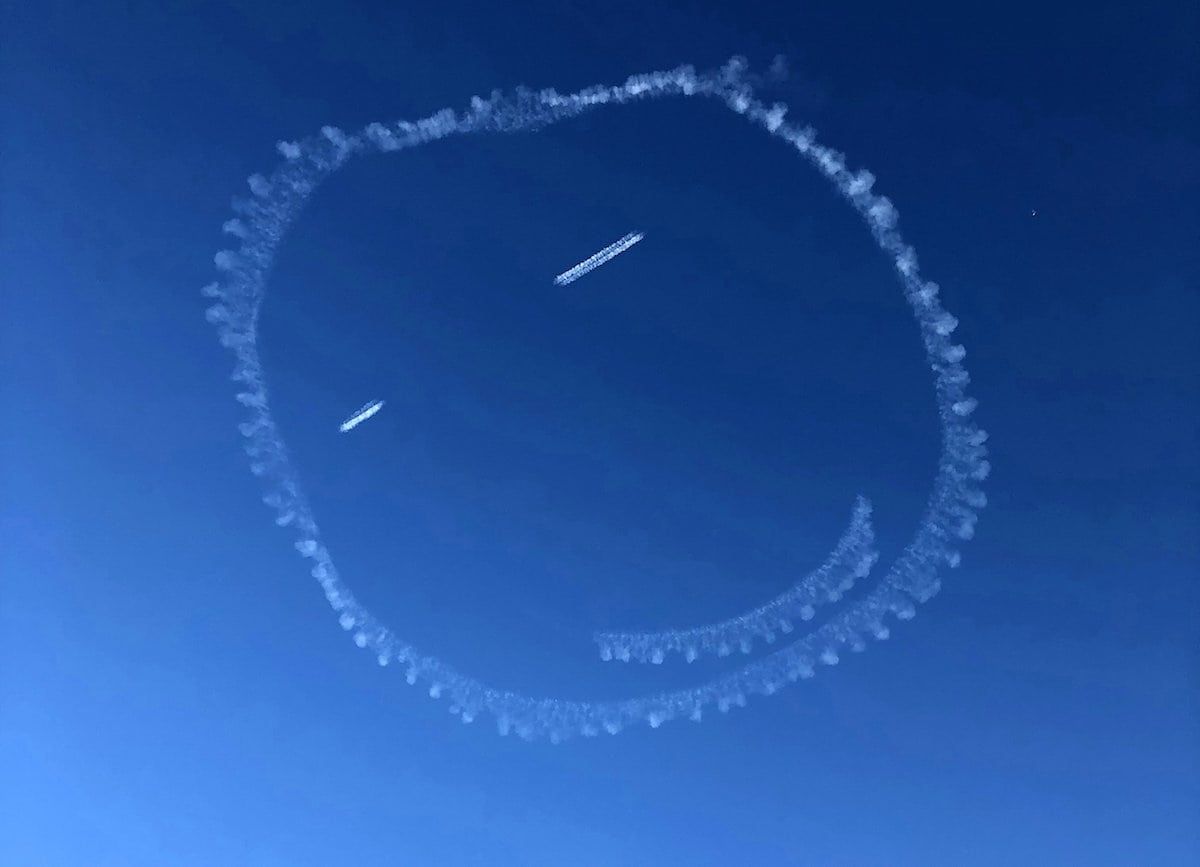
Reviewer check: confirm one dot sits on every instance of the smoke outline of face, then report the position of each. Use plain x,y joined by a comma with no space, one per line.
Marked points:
950,512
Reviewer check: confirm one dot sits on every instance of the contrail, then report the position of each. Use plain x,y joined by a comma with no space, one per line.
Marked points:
591,263
913,578
365,412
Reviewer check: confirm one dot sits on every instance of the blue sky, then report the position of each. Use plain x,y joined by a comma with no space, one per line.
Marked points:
668,439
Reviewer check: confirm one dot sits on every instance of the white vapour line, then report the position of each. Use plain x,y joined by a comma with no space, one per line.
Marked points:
851,560
364,412
591,263
950,513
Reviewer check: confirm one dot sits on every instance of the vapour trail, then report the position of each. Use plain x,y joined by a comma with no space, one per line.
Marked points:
950,512
851,560
591,263
362,414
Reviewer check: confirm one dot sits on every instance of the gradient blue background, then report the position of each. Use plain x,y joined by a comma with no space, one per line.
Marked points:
669,439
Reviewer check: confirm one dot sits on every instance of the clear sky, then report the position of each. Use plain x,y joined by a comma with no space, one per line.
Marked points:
672,438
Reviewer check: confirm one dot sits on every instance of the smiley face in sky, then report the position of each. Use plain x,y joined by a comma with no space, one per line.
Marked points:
539,419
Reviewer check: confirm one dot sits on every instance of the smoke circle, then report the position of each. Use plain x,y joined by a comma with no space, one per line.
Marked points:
262,222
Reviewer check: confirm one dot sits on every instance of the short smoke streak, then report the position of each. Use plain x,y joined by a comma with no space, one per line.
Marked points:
591,263
364,413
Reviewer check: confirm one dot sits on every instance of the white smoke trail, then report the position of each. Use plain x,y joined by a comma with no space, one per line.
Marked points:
362,414
950,513
591,263
852,559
